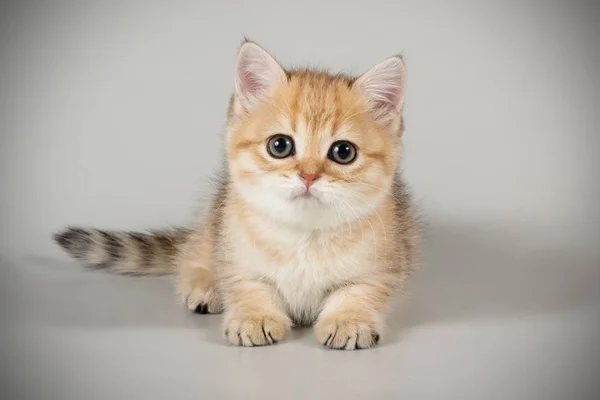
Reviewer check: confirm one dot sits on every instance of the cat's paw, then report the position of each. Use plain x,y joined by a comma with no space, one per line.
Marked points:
347,332
255,328
200,295
203,300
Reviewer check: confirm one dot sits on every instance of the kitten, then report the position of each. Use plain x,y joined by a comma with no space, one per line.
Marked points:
310,224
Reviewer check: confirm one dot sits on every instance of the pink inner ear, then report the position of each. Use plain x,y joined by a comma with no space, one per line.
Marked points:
250,85
387,103
256,74
249,81
386,106
383,86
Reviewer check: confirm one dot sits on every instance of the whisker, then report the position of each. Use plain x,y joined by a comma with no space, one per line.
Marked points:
356,113
378,188
358,218
366,218
341,226
374,211
269,101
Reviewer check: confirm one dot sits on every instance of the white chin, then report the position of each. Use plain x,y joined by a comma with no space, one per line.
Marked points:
306,212
303,212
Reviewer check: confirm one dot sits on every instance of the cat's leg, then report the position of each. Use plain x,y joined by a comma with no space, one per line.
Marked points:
198,289
352,316
196,278
255,315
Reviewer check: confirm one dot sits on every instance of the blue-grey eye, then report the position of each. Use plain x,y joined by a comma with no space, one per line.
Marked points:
342,152
280,146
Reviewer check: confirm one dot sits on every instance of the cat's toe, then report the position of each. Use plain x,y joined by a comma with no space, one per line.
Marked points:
201,300
347,334
255,330
201,308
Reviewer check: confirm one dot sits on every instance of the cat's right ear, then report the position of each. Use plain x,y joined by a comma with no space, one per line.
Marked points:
256,74
383,87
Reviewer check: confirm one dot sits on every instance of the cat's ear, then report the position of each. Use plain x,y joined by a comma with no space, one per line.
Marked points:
256,74
383,87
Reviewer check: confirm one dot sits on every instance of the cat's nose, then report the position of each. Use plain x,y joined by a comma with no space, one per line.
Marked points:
308,178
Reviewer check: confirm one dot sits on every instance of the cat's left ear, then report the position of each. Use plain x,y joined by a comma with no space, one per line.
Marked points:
256,74
383,87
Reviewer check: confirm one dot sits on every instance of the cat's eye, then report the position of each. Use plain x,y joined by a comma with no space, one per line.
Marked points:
280,146
342,152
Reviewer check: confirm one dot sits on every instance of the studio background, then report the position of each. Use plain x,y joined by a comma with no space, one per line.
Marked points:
112,115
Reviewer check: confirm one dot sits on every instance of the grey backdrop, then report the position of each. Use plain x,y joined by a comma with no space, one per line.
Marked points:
111,114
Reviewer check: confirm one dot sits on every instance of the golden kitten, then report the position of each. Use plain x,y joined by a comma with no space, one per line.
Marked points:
310,225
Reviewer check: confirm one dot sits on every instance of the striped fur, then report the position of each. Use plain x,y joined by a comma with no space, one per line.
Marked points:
270,252
133,253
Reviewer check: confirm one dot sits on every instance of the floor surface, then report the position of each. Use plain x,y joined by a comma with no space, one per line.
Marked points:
484,318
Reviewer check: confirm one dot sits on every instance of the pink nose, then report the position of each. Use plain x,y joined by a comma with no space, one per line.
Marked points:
308,178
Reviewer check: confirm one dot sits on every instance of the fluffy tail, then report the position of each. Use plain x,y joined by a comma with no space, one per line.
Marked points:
133,253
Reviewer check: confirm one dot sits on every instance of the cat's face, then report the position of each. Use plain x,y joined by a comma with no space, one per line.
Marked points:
311,150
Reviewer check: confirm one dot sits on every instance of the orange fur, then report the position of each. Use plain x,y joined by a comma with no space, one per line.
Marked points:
271,253
339,275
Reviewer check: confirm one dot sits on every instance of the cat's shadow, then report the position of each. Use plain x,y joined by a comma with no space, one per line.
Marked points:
467,273
471,273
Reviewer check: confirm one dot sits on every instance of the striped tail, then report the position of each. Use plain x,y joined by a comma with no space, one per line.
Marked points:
152,253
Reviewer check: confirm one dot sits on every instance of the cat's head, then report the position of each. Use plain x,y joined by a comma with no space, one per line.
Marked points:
309,148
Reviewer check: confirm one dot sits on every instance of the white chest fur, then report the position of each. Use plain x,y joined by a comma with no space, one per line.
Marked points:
313,266
303,284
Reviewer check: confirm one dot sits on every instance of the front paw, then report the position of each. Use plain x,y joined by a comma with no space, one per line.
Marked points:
199,293
347,331
255,328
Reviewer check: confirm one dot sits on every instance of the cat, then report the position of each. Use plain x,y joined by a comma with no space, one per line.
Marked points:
311,223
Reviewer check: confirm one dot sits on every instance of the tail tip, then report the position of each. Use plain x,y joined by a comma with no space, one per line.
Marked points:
74,240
